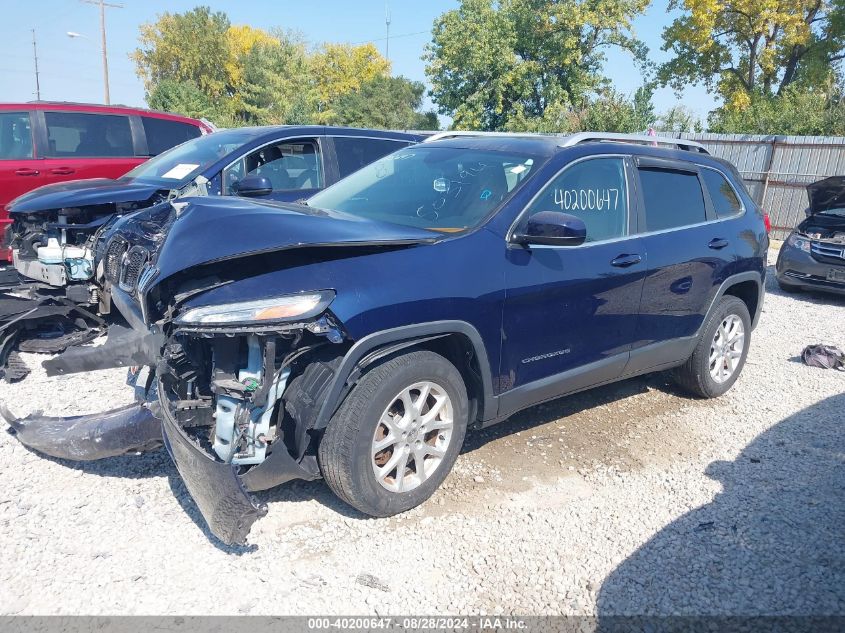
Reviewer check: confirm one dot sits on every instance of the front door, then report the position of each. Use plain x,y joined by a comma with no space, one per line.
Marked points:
294,168
570,311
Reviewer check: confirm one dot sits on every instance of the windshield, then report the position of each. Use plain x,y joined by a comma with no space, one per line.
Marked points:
440,188
177,166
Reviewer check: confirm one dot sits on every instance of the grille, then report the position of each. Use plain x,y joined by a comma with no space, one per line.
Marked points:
136,258
828,254
114,257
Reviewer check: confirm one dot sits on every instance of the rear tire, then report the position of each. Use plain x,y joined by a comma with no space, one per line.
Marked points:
414,406
720,353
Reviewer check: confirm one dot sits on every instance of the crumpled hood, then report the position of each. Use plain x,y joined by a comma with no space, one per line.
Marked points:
827,194
210,229
77,193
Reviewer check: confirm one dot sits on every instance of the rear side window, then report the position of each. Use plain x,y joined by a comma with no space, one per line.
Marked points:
162,134
15,136
722,194
671,198
354,153
76,134
593,190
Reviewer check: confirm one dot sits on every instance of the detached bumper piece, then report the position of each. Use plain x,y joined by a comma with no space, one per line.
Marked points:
130,429
227,507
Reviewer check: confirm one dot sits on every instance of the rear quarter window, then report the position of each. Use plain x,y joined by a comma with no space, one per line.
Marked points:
671,198
162,134
354,153
722,194
77,134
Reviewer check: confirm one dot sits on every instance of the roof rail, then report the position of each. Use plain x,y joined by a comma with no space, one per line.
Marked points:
458,133
568,140
586,137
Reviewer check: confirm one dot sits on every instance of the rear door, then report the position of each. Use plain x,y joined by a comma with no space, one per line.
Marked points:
294,167
78,145
351,153
688,253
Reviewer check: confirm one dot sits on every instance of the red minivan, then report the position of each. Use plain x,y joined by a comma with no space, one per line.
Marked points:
44,142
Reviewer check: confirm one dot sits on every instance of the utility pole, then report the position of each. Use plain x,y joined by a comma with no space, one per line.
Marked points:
102,4
35,57
387,24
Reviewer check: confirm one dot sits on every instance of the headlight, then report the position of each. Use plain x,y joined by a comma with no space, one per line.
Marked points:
799,242
285,308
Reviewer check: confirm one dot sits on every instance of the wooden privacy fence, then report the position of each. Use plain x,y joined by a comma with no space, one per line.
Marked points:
777,169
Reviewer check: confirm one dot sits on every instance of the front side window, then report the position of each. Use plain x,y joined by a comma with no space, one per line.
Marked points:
76,134
440,188
175,167
354,153
15,136
162,134
290,166
722,194
672,198
593,190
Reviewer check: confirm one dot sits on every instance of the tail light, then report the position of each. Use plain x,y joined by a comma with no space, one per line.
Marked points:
767,221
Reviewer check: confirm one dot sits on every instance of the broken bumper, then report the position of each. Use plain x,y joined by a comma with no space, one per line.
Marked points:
220,491
227,507
130,429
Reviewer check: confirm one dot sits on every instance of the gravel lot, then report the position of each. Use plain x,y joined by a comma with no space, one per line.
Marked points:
627,499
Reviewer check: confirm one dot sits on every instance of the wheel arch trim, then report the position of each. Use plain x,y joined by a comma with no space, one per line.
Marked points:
378,344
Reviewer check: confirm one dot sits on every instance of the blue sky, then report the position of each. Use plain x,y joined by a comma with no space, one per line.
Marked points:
71,69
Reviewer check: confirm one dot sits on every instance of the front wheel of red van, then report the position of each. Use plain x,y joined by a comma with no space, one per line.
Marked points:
396,436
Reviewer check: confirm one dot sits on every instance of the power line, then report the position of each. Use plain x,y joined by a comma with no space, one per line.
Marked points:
393,37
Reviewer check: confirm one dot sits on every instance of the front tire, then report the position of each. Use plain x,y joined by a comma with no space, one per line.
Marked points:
396,436
721,351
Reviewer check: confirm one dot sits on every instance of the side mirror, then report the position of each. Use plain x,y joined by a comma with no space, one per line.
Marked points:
552,228
253,186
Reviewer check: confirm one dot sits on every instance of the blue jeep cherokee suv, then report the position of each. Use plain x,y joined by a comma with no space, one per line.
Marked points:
441,288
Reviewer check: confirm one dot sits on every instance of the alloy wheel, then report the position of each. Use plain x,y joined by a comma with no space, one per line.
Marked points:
412,436
726,348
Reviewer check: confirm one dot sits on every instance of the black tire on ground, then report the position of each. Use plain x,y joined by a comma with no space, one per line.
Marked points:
788,288
694,375
345,451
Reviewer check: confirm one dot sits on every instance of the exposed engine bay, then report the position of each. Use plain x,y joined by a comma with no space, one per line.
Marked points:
57,248
824,227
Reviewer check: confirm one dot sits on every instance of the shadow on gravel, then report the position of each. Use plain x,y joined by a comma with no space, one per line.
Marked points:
772,543
570,405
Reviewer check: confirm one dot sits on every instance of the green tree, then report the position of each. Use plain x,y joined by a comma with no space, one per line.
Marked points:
800,111
339,69
496,64
183,97
276,87
390,103
678,119
745,49
187,47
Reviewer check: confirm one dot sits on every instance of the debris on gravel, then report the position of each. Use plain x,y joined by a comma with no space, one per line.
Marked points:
631,498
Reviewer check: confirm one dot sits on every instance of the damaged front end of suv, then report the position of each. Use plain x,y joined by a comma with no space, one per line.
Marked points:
238,384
